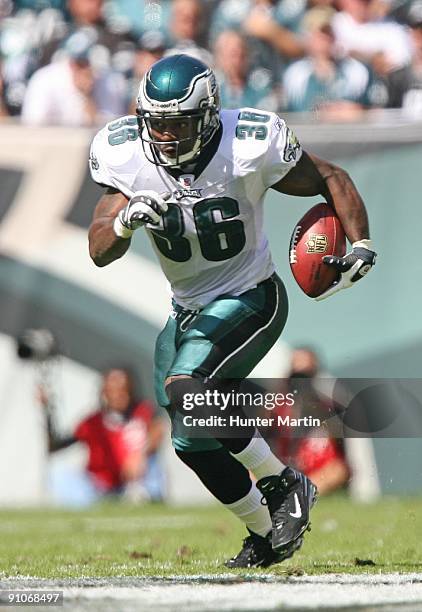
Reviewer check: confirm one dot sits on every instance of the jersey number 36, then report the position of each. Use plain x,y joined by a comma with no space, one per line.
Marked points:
218,240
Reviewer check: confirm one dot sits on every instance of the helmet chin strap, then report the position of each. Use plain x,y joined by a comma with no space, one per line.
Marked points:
190,155
180,159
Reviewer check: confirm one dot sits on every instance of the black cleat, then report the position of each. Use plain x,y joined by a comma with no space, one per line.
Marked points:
289,496
257,551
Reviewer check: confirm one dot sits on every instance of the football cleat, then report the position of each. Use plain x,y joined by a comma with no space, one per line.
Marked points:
289,496
257,551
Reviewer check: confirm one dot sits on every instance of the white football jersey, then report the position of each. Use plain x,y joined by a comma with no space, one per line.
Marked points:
211,240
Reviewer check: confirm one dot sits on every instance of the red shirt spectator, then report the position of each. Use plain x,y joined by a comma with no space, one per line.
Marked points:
120,437
113,442
319,456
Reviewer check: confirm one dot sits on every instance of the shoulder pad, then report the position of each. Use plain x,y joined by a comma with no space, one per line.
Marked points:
253,131
116,149
117,141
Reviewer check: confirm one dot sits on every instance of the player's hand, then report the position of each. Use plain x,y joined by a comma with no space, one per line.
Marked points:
144,207
353,267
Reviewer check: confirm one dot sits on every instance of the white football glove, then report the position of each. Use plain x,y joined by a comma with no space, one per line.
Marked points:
353,267
144,206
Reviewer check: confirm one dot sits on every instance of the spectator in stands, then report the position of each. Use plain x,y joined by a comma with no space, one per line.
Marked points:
272,29
32,38
321,4
70,92
276,26
39,5
240,86
21,35
337,87
320,13
88,16
367,37
122,438
405,85
150,48
186,27
141,16
319,456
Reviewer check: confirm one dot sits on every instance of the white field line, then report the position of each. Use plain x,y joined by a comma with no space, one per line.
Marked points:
262,593
254,596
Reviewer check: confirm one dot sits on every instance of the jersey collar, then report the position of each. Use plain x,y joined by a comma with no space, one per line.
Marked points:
203,160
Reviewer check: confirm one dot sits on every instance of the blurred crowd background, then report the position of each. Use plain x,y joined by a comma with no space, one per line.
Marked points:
79,62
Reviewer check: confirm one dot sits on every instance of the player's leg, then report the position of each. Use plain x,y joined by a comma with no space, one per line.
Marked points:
230,483
227,339
226,479
290,495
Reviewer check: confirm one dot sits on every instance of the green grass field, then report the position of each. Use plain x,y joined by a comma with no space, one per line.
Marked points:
117,540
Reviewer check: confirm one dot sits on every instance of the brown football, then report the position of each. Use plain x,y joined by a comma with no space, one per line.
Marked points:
317,234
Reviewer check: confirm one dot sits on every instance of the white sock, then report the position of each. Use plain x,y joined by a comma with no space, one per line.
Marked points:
258,458
250,510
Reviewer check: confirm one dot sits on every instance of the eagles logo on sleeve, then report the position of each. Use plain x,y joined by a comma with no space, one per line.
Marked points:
292,147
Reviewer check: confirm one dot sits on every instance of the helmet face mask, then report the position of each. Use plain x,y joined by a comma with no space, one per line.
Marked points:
174,139
177,110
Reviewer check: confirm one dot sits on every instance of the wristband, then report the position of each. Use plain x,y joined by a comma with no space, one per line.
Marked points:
121,230
365,243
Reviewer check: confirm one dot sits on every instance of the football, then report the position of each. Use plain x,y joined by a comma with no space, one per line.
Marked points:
318,233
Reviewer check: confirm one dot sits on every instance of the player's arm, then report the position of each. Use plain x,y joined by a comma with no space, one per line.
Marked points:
56,444
55,441
156,434
314,176
105,245
116,218
260,25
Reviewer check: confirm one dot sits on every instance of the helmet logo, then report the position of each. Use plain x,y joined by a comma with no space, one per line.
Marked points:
211,84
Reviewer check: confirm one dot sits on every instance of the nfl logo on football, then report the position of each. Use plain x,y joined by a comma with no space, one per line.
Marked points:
317,243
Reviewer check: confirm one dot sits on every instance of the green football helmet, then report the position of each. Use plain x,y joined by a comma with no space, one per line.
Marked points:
178,110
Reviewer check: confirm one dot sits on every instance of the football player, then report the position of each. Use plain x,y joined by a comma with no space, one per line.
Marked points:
195,177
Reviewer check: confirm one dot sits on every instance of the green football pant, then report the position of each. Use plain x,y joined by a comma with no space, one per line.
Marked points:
226,339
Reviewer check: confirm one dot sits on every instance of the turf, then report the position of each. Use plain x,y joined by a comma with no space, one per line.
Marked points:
118,540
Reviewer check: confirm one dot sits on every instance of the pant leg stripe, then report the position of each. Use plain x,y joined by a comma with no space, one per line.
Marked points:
239,348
